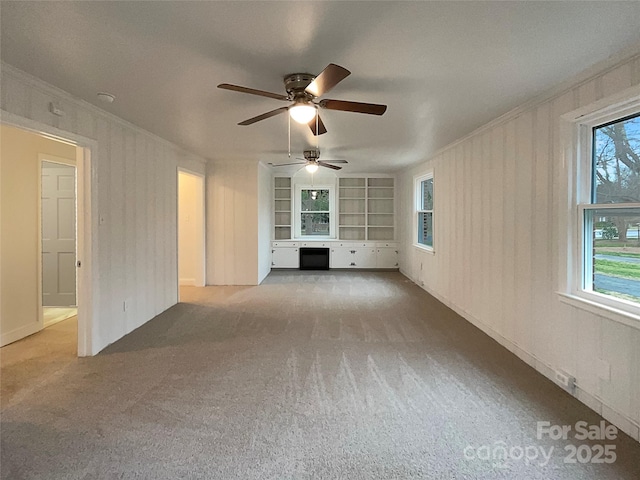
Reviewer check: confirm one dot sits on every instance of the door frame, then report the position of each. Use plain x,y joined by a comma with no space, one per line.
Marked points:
86,281
202,280
43,157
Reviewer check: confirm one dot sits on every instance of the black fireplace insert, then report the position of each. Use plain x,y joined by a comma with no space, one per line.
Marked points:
314,258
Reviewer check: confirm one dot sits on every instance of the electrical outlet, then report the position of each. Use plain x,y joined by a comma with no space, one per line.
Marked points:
566,381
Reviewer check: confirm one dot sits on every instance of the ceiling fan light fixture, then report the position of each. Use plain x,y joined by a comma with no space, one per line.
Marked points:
312,168
302,113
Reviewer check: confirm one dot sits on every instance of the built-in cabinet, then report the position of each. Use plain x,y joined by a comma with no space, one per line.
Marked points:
285,255
343,255
353,255
387,255
366,225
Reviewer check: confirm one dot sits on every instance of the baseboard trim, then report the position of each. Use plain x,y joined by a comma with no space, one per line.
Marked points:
56,320
19,333
620,420
187,282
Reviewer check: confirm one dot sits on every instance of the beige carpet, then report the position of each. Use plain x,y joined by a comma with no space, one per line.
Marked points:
316,375
32,361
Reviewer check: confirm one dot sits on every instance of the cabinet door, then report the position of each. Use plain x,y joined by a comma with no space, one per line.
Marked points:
365,257
387,257
341,257
285,257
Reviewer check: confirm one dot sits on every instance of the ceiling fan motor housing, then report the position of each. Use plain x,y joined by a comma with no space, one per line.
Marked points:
311,155
295,84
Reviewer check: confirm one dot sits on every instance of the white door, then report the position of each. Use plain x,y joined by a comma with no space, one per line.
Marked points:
58,235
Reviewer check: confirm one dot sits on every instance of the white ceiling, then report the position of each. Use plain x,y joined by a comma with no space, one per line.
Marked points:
443,68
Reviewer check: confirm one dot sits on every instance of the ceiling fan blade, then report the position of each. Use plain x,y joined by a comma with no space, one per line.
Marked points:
252,91
335,161
328,165
285,164
270,114
357,107
327,79
321,128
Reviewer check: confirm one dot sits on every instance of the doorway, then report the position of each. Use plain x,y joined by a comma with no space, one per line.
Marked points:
58,240
191,229
26,282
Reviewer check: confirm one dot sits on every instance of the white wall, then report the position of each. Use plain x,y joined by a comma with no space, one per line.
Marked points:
232,223
265,220
20,251
134,193
497,247
191,229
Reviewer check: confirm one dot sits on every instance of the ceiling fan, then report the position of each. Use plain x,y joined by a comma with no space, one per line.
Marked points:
303,89
312,162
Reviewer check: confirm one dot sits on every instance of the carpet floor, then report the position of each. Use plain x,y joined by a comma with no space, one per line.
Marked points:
312,375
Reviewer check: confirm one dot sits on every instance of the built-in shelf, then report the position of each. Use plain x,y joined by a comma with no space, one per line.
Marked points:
352,198
282,208
366,208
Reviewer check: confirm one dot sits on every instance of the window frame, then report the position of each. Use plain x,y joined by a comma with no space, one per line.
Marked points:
418,209
578,146
297,211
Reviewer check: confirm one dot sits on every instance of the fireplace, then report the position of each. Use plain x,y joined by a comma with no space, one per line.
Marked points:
314,258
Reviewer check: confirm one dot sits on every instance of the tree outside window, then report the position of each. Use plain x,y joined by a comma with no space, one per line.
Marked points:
314,212
612,219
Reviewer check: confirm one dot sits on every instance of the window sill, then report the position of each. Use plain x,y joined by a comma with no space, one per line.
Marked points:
610,313
424,248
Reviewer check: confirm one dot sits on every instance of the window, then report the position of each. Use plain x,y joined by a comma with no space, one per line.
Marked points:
314,211
424,211
610,212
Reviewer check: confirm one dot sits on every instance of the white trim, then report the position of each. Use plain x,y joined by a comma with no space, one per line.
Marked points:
576,141
621,420
297,206
600,309
424,248
87,282
53,322
21,332
201,279
44,157
417,208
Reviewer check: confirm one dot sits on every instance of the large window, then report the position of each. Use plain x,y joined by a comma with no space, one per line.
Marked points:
610,211
315,212
424,211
